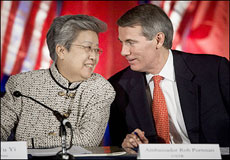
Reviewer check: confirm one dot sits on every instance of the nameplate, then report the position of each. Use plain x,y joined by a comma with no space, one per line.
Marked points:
179,151
14,150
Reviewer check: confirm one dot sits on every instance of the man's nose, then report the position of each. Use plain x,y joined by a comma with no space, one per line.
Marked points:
125,51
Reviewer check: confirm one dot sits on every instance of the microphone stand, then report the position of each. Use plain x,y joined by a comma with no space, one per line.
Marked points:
63,139
62,129
64,154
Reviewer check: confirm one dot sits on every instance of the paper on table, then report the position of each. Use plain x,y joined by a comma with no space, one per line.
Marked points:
100,154
75,150
102,151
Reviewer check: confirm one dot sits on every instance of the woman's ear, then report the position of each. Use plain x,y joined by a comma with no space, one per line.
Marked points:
160,38
60,50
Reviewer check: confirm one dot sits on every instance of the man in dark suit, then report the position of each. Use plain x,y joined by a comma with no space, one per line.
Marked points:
195,87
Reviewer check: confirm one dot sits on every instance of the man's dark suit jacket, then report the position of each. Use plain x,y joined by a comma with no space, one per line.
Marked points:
203,87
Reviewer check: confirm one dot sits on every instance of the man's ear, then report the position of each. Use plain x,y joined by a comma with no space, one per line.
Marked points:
160,38
60,50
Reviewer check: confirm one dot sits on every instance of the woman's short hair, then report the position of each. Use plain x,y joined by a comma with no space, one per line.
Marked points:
65,29
152,19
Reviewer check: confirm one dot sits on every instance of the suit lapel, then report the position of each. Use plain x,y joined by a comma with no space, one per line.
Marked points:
188,95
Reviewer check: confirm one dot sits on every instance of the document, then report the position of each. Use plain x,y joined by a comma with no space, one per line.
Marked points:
75,150
100,154
78,151
103,151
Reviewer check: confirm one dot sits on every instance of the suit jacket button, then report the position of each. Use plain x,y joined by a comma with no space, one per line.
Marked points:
61,93
72,95
52,133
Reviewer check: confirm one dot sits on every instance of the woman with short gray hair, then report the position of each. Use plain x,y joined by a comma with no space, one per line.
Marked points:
69,86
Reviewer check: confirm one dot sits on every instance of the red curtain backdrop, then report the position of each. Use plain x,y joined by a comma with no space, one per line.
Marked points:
200,27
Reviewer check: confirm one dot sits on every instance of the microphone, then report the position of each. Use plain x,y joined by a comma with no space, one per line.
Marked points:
64,122
17,94
57,114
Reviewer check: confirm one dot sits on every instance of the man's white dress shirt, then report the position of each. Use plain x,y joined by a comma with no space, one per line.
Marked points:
178,132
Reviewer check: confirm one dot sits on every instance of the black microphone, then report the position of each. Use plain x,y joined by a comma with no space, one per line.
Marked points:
58,115
17,94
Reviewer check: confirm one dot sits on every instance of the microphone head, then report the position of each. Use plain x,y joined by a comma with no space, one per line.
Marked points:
65,122
17,94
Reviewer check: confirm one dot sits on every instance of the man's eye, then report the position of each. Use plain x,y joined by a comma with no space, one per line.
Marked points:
130,43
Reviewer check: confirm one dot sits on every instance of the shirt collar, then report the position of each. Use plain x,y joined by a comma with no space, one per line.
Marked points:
167,71
60,79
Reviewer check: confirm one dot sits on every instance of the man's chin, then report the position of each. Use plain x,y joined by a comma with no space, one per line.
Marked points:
134,68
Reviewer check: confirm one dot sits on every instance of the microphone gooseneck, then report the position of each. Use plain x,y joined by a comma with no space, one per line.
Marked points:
61,118
64,122
57,114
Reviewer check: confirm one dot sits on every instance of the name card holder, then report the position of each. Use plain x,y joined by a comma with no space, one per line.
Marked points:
179,151
14,150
